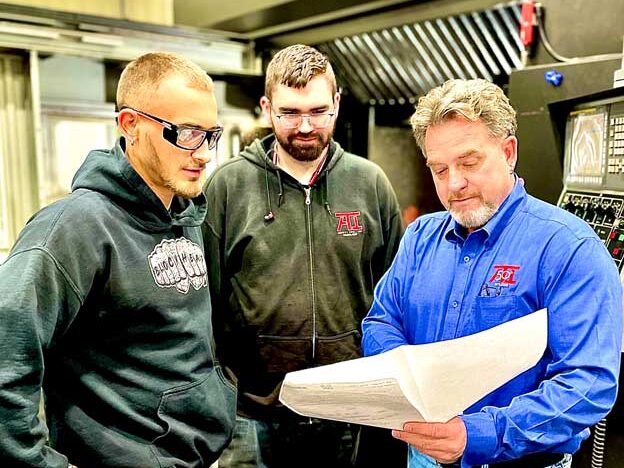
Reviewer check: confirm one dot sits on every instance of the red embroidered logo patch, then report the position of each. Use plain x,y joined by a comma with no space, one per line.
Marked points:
504,274
348,223
503,277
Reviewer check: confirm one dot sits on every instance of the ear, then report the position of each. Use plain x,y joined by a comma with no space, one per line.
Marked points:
337,103
510,150
127,121
265,105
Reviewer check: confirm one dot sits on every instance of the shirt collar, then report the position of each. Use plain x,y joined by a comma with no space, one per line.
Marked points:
503,216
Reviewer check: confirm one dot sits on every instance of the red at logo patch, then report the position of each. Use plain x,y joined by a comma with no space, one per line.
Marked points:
348,223
504,274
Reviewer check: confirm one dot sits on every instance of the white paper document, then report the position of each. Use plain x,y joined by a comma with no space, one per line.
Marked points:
431,382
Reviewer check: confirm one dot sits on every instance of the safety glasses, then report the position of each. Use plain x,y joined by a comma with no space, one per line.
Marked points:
184,137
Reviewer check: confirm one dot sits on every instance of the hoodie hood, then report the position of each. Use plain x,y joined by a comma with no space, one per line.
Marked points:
110,173
259,152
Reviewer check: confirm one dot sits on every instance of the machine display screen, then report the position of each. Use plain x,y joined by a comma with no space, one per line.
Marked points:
585,150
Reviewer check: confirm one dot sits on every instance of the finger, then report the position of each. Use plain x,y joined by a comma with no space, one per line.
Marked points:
416,427
431,448
425,446
417,440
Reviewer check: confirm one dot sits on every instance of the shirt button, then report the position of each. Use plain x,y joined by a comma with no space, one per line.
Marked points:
466,259
455,303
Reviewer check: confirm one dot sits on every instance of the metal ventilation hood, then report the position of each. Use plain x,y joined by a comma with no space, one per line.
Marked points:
401,63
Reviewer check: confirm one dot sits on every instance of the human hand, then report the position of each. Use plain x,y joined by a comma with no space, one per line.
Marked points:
445,442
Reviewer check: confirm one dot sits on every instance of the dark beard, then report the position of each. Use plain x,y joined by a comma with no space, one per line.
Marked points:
304,153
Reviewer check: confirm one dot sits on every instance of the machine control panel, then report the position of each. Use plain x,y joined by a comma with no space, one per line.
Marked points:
615,146
594,169
604,212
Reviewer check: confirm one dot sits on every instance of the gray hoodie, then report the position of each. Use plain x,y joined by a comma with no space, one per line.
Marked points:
107,290
289,291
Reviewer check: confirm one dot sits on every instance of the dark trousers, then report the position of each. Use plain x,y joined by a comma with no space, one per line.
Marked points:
306,443
537,460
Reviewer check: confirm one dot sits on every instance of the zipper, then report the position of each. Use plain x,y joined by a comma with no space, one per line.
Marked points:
307,191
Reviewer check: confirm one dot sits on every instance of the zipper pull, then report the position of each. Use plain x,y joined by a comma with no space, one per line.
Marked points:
307,194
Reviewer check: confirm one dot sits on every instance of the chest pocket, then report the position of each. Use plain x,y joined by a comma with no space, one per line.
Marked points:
491,311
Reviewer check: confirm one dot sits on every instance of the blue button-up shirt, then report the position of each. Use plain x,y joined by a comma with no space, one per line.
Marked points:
530,255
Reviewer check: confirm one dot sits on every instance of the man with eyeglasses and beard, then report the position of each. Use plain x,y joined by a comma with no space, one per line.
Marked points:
298,232
104,299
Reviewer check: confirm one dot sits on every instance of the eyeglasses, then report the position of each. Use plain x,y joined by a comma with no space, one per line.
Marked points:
187,138
316,120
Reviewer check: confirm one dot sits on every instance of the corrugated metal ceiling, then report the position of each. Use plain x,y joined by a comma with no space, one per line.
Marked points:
399,64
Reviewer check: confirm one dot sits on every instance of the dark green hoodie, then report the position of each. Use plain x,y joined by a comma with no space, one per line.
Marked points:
290,288
107,291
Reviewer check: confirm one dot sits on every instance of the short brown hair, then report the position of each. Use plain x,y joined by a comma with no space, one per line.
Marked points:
471,99
141,77
295,66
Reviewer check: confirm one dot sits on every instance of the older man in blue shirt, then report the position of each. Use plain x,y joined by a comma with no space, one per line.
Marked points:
495,255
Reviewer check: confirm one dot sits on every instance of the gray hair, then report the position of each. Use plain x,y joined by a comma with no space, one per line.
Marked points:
471,99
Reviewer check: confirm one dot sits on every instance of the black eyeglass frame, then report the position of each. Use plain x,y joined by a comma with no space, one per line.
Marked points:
171,131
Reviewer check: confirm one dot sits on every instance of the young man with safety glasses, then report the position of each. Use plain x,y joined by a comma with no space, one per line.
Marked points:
298,232
104,300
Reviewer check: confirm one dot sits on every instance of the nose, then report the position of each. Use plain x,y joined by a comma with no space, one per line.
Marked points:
456,180
305,126
202,154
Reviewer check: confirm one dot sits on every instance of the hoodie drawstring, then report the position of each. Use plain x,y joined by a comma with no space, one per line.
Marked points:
280,194
325,195
269,216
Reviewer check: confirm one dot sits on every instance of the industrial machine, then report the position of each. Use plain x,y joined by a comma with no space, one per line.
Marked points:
591,133
593,161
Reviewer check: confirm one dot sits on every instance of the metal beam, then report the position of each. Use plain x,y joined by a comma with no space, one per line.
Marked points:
202,14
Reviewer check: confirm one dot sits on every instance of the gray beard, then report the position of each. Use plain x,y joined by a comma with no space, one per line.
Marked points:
474,219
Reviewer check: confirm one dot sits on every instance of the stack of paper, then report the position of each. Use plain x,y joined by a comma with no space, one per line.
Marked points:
430,382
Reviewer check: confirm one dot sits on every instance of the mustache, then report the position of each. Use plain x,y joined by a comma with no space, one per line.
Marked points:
461,196
313,133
